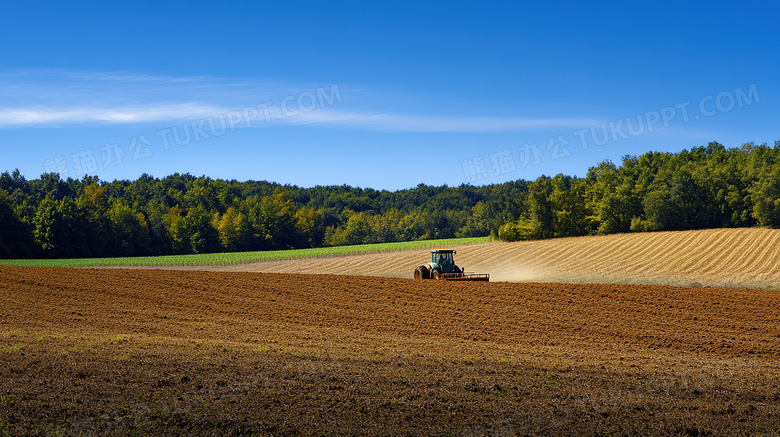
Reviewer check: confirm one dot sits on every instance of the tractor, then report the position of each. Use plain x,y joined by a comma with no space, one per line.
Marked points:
442,266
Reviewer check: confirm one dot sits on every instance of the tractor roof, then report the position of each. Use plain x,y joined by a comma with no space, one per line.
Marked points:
443,251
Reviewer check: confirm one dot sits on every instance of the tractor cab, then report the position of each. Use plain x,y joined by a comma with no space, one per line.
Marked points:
444,259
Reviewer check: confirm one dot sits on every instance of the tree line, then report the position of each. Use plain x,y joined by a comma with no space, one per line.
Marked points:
705,187
183,214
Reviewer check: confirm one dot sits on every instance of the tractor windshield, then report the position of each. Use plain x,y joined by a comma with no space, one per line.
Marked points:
445,260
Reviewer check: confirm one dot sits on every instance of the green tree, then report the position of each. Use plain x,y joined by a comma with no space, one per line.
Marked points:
477,223
234,230
273,221
541,210
129,229
611,199
765,195
15,236
523,229
203,238
47,223
568,204
310,225
358,230
176,232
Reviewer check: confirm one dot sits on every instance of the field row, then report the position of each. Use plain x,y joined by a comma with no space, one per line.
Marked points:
732,258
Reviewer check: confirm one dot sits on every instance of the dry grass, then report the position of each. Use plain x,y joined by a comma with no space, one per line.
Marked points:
129,352
732,258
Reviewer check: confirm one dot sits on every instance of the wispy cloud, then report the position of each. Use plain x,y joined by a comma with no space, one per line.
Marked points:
57,98
423,123
90,115
54,98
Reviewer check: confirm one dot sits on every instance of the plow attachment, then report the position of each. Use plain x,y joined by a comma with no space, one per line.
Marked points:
484,277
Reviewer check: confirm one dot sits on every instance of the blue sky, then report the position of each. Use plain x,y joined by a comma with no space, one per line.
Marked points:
383,95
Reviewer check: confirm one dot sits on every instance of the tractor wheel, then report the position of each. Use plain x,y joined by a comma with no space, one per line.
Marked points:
436,275
421,272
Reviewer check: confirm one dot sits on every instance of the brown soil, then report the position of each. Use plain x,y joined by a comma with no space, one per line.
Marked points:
188,352
236,306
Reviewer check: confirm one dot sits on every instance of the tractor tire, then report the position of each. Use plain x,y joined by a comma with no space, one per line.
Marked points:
435,274
421,272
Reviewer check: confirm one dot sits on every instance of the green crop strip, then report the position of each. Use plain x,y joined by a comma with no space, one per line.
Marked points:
242,257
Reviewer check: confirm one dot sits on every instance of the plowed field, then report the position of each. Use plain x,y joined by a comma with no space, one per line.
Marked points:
733,258
115,351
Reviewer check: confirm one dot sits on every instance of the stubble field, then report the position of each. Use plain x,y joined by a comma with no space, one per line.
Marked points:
236,353
727,258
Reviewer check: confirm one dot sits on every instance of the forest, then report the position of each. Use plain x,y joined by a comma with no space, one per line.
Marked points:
705,187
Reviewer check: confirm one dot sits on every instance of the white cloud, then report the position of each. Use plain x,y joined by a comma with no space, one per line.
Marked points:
57,98
89,115
422,123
